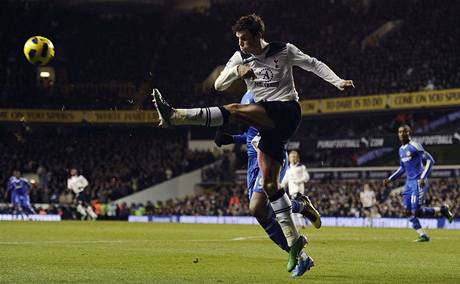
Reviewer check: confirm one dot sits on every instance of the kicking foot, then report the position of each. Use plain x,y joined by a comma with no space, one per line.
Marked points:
445,211
305,263
295,252
165,111
422,238
309,211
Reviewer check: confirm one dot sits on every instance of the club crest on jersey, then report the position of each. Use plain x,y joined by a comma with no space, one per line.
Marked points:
266,74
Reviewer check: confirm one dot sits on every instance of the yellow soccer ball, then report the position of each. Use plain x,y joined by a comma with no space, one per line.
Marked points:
39,50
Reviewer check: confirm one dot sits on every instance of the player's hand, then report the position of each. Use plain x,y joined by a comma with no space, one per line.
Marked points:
386,182
421,183
346,84
223,138
246,72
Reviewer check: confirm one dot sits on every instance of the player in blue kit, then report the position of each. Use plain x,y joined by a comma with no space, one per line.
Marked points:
412,156
258,205
19,188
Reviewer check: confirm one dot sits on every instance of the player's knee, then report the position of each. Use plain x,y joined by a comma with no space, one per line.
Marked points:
255,211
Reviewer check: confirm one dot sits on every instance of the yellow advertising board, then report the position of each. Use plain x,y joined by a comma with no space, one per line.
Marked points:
309,107
121,116
382,102
78,116
425,99
353,104
30,115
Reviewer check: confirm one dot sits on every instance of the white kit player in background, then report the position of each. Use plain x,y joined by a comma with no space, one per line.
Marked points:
295,179
368,201
77,183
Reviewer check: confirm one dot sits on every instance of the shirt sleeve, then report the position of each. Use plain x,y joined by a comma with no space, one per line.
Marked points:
399,172
229,74
426,157
83,182
240,138
304,61
285,180
307,175
429,162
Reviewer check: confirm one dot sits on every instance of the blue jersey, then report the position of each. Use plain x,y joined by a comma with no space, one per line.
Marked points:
412,155
18,186
247,136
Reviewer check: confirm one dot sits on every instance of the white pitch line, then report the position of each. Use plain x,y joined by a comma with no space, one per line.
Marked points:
248,238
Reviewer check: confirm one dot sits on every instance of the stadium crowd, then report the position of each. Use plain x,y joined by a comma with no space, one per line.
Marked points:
332,198
116,161
419,54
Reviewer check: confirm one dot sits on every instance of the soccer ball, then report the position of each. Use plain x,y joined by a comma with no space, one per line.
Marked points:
39,50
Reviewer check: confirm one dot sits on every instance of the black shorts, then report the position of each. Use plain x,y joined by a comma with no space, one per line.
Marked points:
286,117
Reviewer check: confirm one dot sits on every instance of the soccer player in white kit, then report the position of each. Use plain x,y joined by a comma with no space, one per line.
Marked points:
77,183
294,180
267,71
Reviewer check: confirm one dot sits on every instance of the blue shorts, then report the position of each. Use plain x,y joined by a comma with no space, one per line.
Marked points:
254,175
413,197
21,200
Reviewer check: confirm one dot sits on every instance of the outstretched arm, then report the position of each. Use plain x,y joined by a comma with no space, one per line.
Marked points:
298,58
223,138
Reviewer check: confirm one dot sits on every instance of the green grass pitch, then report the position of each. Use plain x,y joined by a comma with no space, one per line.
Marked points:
121,252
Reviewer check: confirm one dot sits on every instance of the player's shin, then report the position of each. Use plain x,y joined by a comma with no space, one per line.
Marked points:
417,226
91,213
208,116
273,229
82,211
281,205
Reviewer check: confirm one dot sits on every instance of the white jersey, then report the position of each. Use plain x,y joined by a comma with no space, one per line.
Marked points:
77,183
367,198
273,69
295,178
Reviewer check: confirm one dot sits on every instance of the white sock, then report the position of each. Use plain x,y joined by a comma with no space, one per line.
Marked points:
207,116
91,213
283,212
81,210
421,232
437,211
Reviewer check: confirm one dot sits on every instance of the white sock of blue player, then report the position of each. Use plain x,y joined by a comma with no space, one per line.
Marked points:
416,225
281,205
207,116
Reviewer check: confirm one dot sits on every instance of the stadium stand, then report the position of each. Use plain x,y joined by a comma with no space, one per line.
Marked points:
110,70
415,56
116,161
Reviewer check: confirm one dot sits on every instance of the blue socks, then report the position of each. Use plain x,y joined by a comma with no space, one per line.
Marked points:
296,206
273,230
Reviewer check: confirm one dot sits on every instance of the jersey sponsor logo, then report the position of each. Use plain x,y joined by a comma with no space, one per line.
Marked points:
266,85
406,159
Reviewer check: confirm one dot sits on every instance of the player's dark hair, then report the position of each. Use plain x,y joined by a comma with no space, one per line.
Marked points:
252,23
406,126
